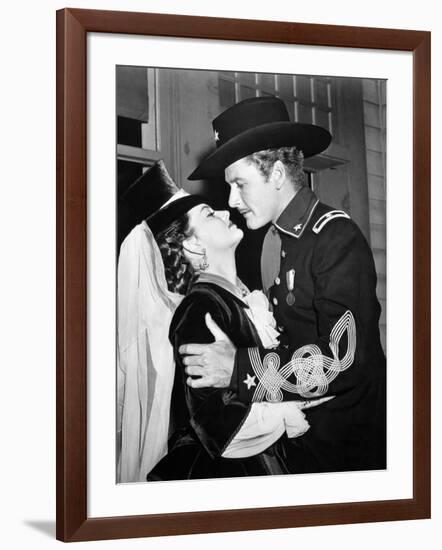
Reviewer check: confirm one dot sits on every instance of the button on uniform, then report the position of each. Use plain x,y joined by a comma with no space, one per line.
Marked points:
277,281
283,254
275,301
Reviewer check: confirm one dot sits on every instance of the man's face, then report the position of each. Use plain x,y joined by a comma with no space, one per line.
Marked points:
251,194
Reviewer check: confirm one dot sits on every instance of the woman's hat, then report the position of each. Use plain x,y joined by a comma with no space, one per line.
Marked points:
156,198
150,191
254,125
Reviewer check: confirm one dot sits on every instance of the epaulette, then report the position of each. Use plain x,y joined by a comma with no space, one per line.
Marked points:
327,217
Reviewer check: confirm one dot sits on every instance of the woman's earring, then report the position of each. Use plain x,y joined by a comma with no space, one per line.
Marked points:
204,264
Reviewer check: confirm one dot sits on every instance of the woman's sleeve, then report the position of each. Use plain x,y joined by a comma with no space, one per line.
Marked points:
264,425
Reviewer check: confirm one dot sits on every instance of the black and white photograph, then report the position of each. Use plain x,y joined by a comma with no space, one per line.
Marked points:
251,274
221,266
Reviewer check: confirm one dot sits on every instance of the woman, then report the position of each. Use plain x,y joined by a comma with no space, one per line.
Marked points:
213,433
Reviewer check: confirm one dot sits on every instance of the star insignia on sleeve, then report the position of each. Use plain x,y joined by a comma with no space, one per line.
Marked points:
250,381
216,135
298,227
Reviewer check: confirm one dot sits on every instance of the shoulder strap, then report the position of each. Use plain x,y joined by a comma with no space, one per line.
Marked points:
327,217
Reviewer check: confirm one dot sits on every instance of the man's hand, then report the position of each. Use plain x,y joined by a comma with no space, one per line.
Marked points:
212,362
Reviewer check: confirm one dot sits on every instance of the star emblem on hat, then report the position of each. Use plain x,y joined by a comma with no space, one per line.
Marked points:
250,381
298,227
216,135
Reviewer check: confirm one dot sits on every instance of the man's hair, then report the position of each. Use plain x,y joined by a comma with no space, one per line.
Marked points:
291,157
180,273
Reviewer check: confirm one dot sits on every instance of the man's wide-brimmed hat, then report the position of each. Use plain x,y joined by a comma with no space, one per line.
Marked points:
255,125
156,198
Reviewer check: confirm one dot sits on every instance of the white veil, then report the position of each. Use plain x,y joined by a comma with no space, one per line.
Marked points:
145,363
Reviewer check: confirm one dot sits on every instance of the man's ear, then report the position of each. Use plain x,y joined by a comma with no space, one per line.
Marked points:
278,175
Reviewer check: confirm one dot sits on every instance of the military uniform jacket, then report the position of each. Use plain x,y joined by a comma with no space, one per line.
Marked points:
325,305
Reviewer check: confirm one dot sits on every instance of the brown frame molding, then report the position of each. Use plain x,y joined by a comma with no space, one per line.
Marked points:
72,521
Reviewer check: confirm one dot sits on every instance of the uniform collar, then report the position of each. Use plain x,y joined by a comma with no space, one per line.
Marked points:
297,213
239,290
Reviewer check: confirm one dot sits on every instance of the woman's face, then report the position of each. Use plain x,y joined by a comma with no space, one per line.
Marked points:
213,230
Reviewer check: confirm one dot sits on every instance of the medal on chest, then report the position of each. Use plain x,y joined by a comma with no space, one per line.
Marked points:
290,279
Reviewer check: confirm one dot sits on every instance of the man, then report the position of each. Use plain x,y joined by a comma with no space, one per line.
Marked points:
319,273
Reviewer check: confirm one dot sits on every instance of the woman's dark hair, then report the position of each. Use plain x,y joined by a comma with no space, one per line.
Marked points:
179,271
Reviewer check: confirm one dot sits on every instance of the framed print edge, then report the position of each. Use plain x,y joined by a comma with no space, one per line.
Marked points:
421,272
71,408
73,523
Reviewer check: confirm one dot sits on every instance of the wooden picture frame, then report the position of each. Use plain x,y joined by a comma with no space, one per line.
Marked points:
73,523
